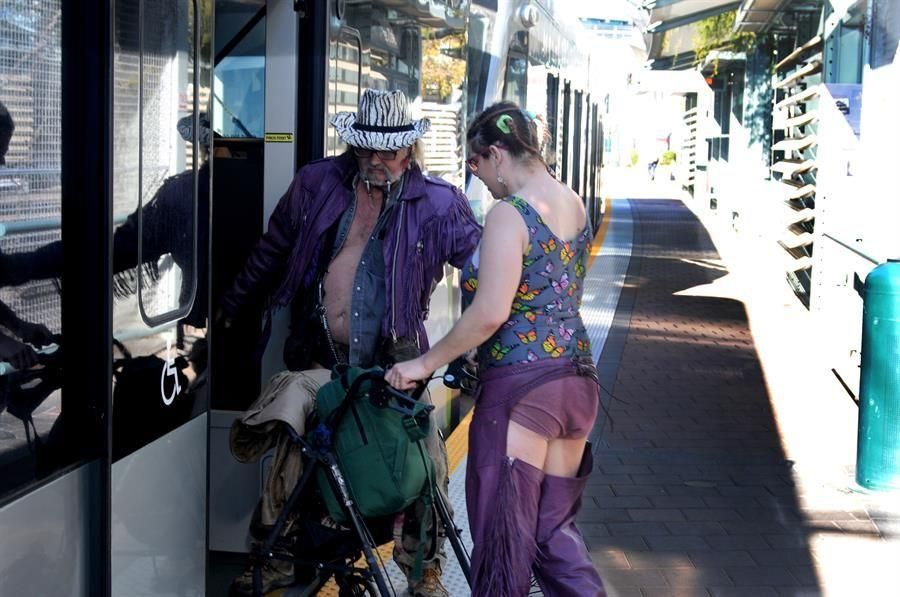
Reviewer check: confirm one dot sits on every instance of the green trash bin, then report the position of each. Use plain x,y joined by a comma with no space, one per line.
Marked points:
878,442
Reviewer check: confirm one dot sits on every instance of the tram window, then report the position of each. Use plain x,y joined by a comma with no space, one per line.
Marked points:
167,210
443,101
161,185
480,27
552,120
30,201
516,82
345,78
380,45
576,143
567,109
391,34
240,76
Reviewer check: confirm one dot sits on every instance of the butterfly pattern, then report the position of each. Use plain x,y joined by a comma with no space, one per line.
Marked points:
544,320
528,337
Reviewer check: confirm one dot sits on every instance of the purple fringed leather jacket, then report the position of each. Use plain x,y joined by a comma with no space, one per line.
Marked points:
432,225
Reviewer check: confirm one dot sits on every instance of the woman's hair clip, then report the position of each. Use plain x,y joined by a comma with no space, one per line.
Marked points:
532,116
503,123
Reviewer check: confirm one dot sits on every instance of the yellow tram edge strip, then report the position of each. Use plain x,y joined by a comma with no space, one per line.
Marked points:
601,233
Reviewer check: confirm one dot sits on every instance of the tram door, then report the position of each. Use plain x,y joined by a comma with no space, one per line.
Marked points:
161,75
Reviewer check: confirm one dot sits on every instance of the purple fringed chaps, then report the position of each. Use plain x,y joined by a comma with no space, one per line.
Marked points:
504,496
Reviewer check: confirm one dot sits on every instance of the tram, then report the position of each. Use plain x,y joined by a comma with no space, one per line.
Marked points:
149,141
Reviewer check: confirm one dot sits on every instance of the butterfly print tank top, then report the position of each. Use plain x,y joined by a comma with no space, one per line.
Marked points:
544,321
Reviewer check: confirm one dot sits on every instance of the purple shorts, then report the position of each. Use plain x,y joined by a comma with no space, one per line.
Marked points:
563,408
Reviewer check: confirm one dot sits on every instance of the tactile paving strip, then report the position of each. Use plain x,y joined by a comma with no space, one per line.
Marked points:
604,280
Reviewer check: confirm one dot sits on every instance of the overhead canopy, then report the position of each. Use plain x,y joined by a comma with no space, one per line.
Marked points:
757,15
673,29
672,14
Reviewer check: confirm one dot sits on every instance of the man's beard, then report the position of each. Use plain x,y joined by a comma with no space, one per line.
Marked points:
384,185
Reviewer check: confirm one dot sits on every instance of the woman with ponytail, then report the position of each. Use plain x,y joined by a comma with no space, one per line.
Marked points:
537,398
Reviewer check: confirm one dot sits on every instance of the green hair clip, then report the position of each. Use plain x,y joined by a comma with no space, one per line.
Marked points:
503,123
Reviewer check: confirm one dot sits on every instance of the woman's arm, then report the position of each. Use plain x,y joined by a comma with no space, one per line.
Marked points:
500,267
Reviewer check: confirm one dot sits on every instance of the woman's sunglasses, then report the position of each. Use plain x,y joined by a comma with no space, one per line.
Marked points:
382,155
472,162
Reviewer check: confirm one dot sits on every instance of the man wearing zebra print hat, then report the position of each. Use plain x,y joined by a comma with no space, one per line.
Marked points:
354,249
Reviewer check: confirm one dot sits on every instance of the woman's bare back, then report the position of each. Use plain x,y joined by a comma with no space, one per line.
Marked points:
560,208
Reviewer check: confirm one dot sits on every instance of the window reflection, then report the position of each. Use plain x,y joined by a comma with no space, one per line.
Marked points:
419,50
30,152
345,71
161,183
515,85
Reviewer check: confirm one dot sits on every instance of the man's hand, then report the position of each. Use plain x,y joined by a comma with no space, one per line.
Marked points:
17,354
404,376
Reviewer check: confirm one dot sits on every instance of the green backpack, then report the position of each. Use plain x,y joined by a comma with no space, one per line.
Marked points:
380,451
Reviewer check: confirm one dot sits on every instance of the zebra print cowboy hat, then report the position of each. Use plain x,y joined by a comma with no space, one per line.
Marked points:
383,122
186,129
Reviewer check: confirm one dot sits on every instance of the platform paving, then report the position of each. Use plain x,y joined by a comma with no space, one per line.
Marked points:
726,469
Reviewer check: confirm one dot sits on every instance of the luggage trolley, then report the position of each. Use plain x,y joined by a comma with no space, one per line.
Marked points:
333,551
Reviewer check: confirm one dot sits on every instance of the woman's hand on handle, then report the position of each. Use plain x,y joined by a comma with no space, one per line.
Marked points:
404,376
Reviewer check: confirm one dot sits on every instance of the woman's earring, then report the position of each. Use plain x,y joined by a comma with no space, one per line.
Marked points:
500,179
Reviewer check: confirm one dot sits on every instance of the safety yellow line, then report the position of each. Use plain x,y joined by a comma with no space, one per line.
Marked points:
601,233
458,443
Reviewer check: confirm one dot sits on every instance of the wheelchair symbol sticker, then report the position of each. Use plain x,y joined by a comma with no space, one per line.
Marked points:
169,370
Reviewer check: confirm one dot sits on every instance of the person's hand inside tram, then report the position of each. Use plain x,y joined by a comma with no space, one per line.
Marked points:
21,353
16,353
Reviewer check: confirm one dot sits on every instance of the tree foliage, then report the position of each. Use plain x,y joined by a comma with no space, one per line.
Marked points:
443,64
717,33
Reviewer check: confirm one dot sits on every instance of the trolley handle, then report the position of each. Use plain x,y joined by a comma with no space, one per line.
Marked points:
382,394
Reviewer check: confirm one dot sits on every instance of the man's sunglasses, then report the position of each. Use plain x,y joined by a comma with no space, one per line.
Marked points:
382,155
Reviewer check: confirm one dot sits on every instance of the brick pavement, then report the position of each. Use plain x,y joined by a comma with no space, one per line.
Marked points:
693,493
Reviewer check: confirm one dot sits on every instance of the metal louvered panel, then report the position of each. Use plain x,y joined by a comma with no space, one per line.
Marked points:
803,96
793,216
802,119
444,142
795,241
795,118
813,44
795,190
795,143
799,264
812,68
790,168
688,160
